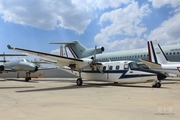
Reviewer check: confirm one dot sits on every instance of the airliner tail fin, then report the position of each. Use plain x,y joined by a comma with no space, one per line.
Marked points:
156,54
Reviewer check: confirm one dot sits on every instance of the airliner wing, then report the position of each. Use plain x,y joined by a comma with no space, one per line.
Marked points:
150,64
61,61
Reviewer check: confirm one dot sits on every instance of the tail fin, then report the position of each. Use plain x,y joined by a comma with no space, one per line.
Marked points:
156,54
78,50
75,48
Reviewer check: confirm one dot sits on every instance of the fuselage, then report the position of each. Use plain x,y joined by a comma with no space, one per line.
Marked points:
173,68
172,52
117,71
20,65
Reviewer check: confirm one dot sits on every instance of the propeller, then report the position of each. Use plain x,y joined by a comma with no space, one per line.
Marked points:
94,63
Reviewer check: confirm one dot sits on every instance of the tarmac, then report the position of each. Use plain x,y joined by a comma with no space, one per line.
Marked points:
61,98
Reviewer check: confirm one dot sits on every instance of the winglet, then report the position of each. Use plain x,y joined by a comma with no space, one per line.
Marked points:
9,47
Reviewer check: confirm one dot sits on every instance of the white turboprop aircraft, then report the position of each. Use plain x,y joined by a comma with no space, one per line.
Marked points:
119,71
159,62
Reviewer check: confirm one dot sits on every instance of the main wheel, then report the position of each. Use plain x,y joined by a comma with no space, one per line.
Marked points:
79,82
27,79
157,85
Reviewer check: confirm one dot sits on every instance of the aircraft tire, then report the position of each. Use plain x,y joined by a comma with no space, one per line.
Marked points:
157,85
27,79
79,82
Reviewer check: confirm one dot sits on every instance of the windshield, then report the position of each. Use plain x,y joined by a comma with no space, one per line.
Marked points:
133,65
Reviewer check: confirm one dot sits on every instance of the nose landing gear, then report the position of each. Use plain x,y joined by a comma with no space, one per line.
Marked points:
27,78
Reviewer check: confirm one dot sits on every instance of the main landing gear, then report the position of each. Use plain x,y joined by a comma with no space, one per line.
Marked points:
156,84
27,78
79,81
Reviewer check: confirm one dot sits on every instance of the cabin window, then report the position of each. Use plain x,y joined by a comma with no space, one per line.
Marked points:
117,67
110,67
170,53
174,53
104,67
166,53
177,52
126,66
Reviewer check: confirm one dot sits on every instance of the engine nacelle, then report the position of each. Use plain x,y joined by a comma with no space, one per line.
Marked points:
90,52
1,67
100,50
36,68
161,76
86,62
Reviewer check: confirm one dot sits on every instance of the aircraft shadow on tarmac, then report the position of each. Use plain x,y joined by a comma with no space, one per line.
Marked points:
17,87
89,85
11,79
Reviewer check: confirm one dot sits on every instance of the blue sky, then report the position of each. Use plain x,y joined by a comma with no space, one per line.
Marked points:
114,24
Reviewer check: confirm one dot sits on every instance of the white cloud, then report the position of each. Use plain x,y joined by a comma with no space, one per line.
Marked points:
167,32
99,4
47,14
44,14
123,21
160,3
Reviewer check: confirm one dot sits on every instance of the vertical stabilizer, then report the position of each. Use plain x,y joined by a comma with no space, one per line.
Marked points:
156,54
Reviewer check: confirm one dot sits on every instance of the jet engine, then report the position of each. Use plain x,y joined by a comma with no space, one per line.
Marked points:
100,50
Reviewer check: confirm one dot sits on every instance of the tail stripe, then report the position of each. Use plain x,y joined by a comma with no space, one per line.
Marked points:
73,53
149,53
153,52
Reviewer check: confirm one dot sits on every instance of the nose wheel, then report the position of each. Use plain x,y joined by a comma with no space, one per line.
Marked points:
27,78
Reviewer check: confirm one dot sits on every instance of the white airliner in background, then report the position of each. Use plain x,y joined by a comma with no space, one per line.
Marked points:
118,71
159,62
79,51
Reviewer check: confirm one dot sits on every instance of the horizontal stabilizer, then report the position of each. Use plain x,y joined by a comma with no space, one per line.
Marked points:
63,42
150,64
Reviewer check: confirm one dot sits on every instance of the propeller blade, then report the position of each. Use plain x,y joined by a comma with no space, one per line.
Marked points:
99,69
94,60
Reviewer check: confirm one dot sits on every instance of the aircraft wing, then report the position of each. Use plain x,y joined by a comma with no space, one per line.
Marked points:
61,61
150,64
13,54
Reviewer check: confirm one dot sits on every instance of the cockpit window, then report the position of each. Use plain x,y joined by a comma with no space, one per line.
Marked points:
133,65
27,60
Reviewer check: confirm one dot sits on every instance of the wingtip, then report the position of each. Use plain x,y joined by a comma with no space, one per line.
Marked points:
9,47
